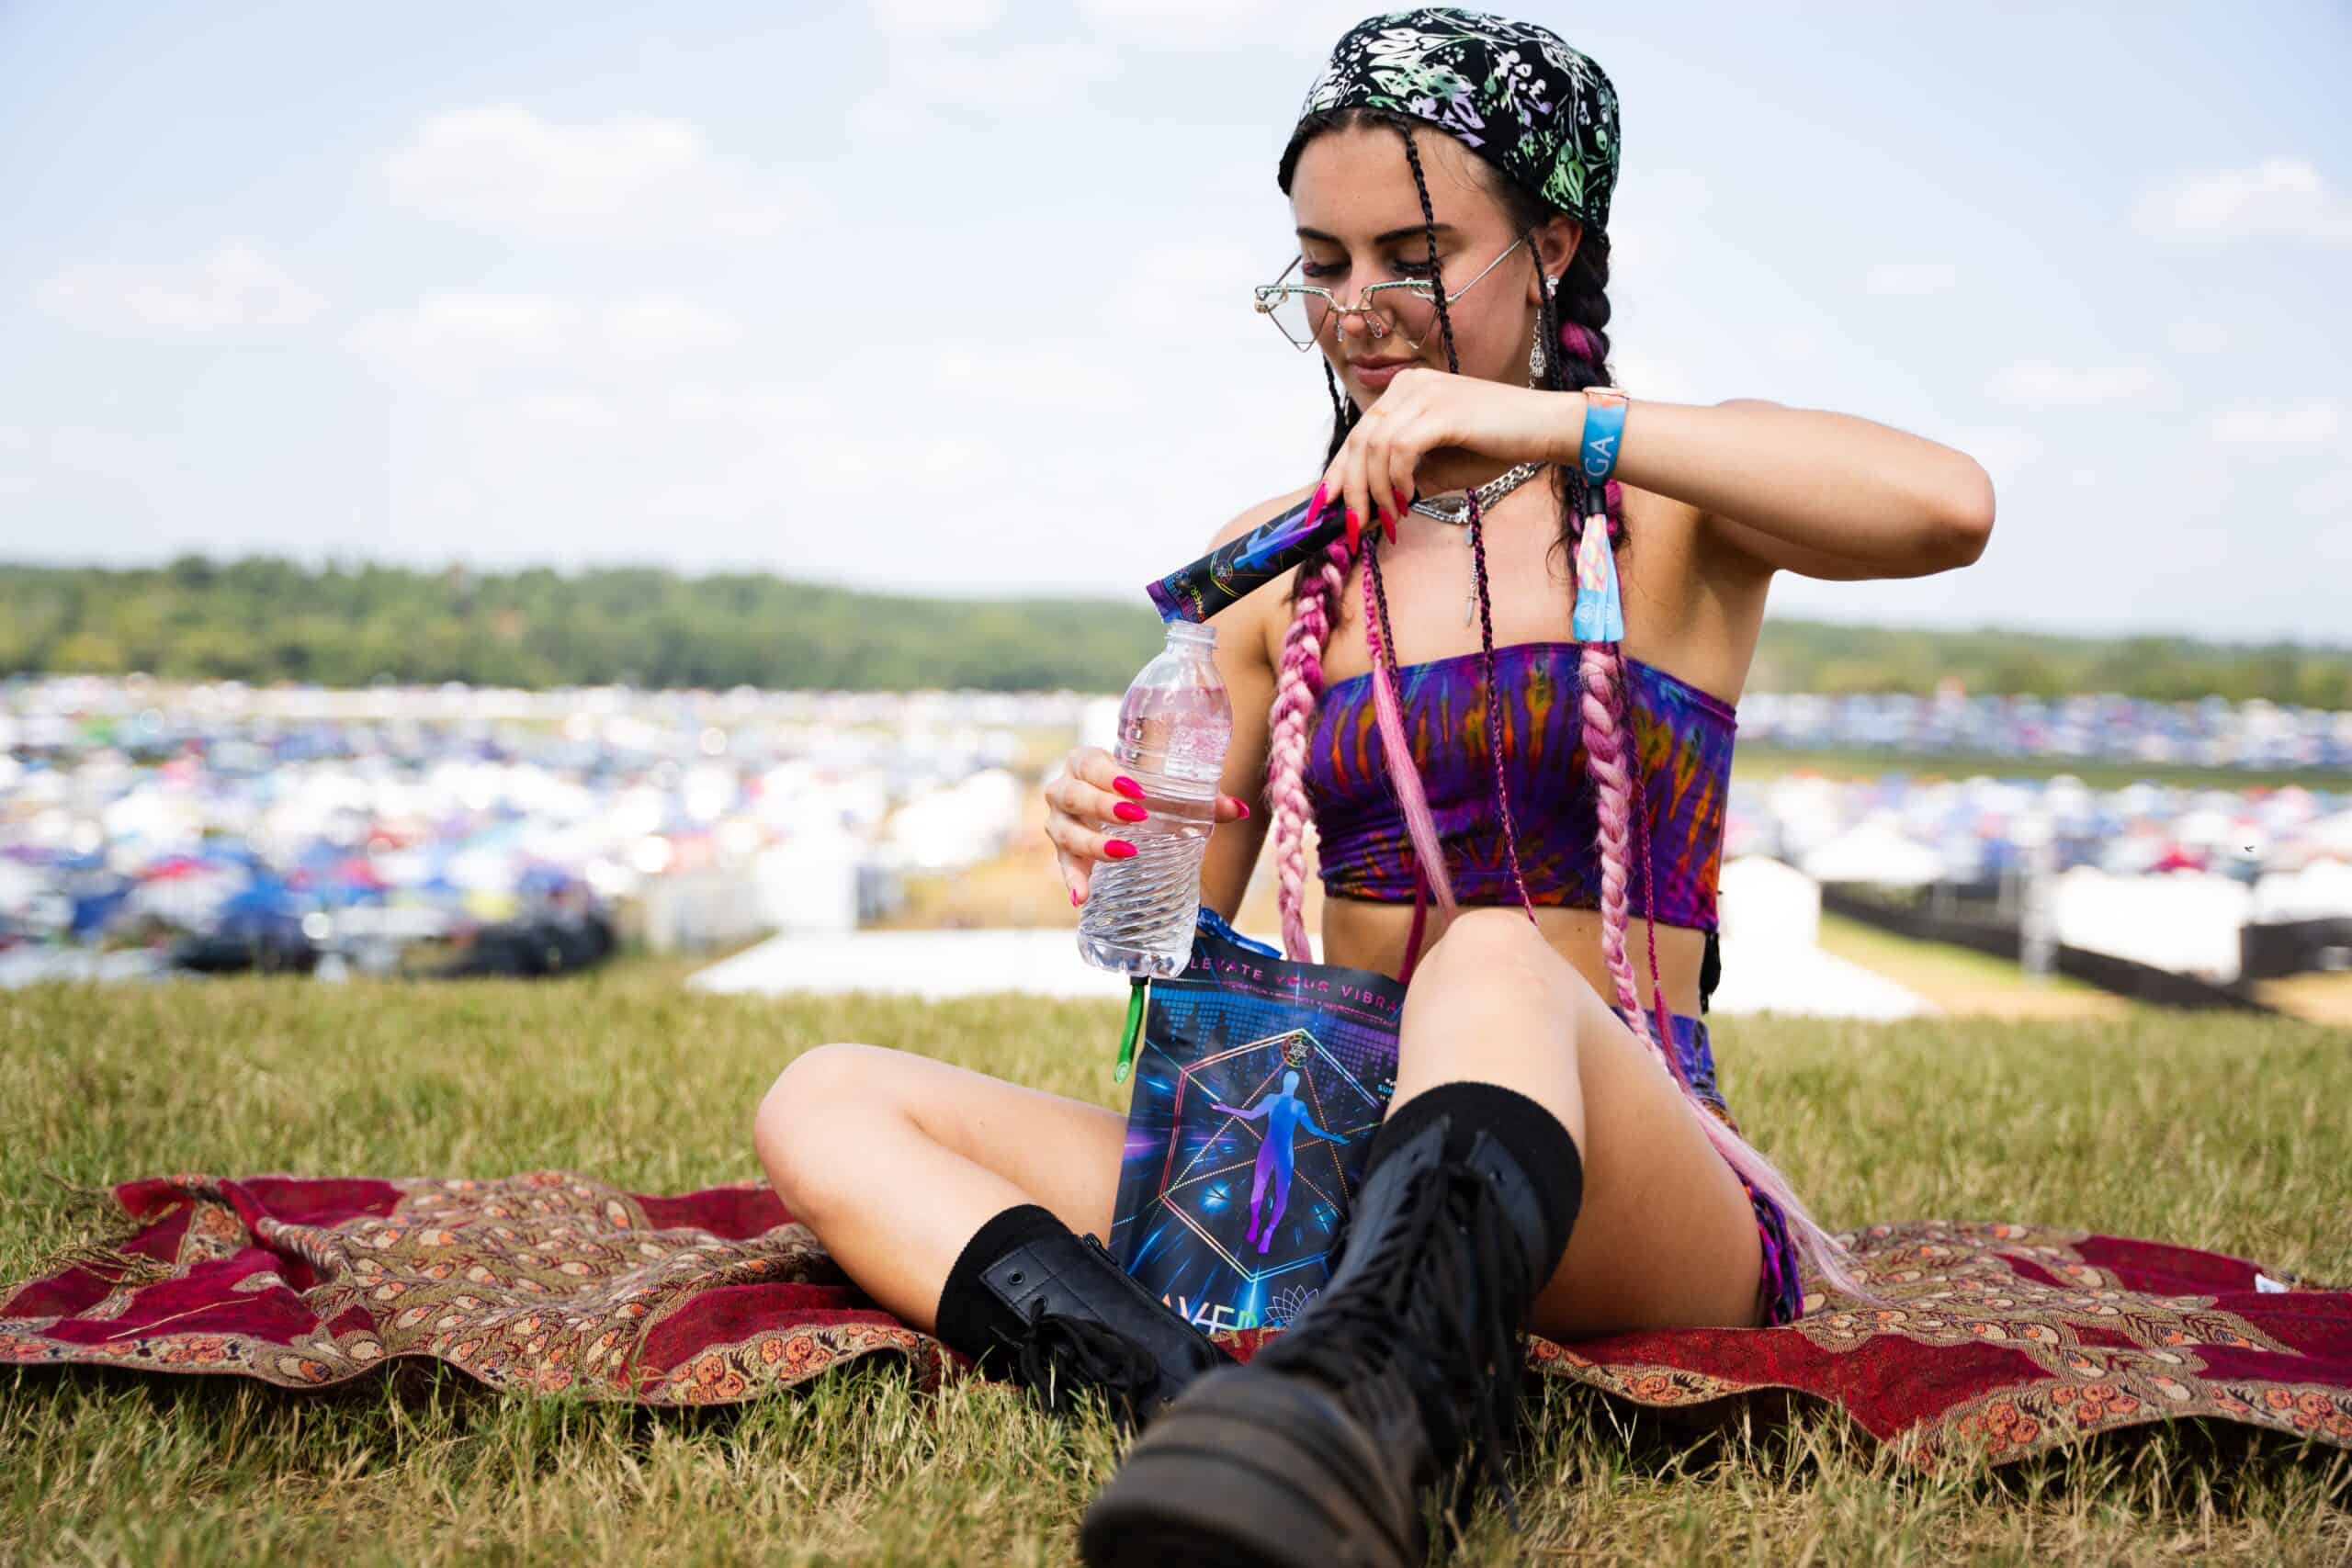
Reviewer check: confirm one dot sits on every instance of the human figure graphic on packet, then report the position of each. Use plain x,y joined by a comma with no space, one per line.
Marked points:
1285,1113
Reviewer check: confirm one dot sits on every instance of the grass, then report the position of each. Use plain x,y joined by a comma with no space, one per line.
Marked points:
2223,1132
1964,982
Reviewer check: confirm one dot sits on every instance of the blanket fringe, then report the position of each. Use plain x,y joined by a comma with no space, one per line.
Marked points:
97,1226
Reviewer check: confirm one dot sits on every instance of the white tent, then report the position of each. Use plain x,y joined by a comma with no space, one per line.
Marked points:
2186,922
1875,851
1763,904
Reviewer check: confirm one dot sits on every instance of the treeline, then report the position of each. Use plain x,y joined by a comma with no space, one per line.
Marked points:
264,619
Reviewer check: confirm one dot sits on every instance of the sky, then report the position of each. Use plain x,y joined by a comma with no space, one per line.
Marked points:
951,296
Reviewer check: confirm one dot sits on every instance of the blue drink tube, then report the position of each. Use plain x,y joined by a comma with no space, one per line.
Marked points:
1230,572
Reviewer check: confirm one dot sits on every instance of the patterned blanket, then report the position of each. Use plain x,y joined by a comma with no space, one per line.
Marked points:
2003,1339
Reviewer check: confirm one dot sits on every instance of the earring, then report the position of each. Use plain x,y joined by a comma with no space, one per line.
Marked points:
1535,355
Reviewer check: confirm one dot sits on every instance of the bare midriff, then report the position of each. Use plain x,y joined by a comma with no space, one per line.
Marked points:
1367,935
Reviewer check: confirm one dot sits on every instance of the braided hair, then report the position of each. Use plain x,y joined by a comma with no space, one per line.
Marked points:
1574,318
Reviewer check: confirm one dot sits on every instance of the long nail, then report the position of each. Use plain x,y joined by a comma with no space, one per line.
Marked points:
1128,811
1073,898
1128,787
1241,806
1117,849
1355,530
1315,505
1404,501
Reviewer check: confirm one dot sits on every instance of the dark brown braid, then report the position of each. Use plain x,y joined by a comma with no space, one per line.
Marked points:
1478,543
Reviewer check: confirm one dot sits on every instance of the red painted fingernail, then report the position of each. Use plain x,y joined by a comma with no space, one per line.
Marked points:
1403,501
1128,787
1355,530
1128,811
1073,898
1117,849
1315,505
1241,806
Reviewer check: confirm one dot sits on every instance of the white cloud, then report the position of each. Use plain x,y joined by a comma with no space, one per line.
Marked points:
2315,424
236,287
1086,377
2330,495
2279,199
1008,81
757,408
1186,14
934,19
659,324
1911,280
460,333
2199,337
569,411
2041,384
503,166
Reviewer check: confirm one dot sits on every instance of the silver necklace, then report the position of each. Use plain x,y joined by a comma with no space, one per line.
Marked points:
1494,489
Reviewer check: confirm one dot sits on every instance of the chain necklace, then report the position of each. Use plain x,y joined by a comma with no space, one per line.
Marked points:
1494,489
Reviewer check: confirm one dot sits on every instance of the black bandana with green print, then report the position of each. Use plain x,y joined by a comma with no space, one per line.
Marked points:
1519,97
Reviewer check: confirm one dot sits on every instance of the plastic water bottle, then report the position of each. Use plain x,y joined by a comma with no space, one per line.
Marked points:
1174,728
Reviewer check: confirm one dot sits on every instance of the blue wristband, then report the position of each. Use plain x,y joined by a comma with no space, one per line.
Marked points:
1604,431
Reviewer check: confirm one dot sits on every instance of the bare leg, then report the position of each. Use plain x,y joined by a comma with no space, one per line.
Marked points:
895,1160
1665,1236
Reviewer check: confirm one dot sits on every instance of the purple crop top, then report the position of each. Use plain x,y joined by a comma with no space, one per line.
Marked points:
1684,734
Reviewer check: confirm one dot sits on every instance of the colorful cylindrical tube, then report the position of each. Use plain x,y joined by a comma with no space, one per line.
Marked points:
1230,572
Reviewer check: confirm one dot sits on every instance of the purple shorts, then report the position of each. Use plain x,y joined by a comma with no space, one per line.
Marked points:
1781,1297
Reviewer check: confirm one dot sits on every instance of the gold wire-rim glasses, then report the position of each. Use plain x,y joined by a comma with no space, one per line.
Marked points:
1271,296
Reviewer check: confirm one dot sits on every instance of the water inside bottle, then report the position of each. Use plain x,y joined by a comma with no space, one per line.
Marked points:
1175,726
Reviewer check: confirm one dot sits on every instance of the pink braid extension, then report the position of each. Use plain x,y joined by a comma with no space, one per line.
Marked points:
1296,689
1604,750
1403,775
1642,845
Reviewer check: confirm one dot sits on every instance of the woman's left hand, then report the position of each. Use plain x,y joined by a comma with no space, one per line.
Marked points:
1432,431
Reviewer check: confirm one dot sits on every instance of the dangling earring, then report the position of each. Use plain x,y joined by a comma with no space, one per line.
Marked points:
1535,355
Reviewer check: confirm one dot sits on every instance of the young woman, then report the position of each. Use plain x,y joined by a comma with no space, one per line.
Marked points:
1550,1162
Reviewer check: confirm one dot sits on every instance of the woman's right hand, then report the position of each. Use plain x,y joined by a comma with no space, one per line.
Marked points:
1088,803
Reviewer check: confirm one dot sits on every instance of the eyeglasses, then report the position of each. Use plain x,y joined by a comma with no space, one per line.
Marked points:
1408,307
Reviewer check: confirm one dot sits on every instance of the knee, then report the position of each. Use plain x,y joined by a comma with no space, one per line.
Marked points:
797,1129
1486,945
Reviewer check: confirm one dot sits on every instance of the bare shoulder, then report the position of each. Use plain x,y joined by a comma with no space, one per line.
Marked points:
1255,619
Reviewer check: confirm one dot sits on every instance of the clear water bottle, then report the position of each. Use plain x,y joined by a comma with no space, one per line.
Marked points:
1173,729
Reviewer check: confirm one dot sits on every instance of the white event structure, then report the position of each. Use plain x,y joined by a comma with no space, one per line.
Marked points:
1772,960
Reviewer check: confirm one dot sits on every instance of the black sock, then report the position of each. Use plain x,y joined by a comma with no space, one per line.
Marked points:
969,1313
1529,1133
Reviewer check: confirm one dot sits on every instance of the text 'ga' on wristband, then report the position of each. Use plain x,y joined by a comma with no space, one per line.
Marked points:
1604,430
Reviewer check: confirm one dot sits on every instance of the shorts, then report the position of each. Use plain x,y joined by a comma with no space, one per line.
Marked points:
1779,1294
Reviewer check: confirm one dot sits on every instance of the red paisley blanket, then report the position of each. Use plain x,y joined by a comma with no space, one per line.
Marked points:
2003,1340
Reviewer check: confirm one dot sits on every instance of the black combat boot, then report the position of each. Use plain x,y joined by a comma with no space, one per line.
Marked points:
1319,1451
1053,1311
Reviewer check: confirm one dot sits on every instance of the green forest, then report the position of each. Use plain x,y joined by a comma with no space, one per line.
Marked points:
263,619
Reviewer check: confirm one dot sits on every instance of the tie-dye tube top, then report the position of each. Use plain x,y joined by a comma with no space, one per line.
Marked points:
1684,734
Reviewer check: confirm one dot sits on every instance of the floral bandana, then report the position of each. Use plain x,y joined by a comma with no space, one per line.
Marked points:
1519,97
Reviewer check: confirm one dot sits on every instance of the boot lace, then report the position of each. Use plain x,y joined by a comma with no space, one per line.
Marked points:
1438,1305
1061,1355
